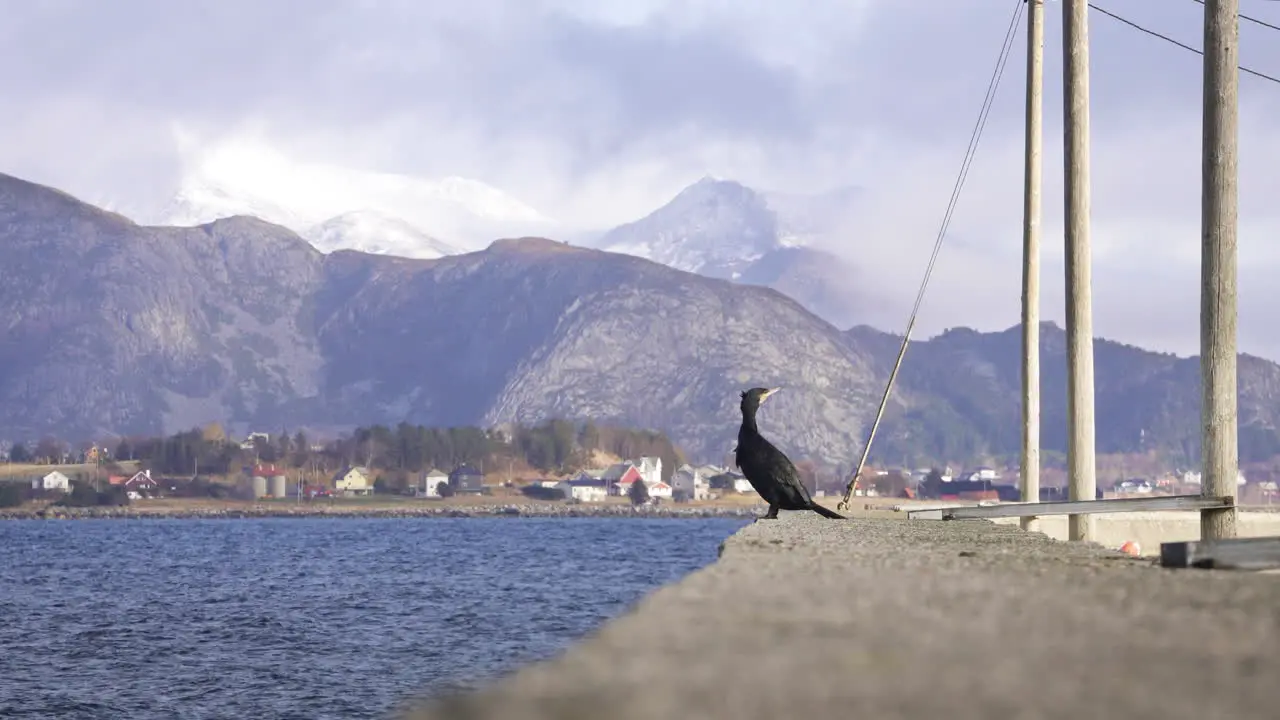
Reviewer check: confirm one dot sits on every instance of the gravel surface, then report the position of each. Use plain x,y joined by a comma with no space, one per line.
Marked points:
870,618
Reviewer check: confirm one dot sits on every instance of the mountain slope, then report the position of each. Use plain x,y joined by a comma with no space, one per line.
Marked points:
108,326
242,321
532,328
966,386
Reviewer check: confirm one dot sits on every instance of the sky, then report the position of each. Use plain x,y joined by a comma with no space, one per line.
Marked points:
595,112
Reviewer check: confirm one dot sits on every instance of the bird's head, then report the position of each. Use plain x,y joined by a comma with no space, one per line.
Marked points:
755,397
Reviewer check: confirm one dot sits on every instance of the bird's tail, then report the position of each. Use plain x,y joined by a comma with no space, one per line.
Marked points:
827,513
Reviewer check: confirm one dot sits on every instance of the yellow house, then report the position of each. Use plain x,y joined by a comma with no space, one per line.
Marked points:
353,480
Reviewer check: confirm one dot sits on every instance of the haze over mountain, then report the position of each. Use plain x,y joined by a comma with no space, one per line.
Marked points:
338,207
115,327
717,228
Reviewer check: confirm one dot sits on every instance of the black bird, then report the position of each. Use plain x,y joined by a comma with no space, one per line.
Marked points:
768,470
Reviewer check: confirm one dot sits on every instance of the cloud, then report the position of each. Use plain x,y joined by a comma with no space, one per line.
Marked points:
597,111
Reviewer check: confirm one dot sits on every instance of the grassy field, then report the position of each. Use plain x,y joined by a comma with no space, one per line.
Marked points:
10,470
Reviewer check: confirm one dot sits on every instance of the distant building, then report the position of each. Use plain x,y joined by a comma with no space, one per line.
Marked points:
353,480
659,490
694,482
584,489
466,479
982,474
53,482
741,483
650,469
618,477
136,486
1194,478
431,482
249,441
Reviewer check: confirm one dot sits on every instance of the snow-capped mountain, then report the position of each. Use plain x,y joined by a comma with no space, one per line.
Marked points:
373,232
723,229
334,204
713,227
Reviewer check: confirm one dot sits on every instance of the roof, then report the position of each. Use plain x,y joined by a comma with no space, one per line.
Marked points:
350,469
466,470
140,476
433,472
617,470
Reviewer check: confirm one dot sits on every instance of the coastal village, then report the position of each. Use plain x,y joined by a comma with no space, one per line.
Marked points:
612,482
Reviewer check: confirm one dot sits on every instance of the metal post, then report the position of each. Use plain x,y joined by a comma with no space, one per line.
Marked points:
1030,470
1081,464
1218,202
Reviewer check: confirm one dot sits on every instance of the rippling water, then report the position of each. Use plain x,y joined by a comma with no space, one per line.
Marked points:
318,618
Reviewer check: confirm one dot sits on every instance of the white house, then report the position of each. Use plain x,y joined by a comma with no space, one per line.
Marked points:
53,481
583,489
431,483
659,490
650,469
981,474
743,485
1194,478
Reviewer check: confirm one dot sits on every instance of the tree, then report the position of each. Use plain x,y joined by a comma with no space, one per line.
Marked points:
894,484
931,486
268,452
301,449
213,433
723,481
589,436
11,495
82,495
638,492
50,450
19,453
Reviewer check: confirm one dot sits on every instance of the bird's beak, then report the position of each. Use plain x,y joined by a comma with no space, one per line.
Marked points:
769,393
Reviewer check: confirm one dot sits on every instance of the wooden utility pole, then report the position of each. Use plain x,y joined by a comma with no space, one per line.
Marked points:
1218,199
1081,465
1030,470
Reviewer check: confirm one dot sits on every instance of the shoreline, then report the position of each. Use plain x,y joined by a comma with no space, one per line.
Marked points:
261,511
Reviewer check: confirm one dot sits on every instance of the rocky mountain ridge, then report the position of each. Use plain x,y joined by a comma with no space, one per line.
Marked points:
116,327
112,327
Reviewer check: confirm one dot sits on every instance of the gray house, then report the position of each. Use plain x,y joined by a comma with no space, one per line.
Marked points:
466,479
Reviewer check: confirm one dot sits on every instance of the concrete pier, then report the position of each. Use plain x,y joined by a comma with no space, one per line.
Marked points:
876,618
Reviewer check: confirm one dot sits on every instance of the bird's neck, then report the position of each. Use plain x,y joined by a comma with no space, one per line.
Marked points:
749,423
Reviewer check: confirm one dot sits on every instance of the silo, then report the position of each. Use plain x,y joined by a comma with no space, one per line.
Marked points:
259,486
279,486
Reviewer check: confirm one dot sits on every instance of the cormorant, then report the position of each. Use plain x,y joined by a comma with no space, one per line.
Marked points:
768,470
